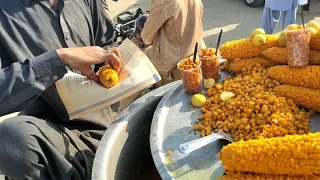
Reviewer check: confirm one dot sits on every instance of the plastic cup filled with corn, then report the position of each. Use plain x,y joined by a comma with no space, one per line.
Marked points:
209,63
298,47
191,75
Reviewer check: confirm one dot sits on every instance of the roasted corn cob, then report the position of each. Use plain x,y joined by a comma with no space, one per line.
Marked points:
279,55
305,97
238,64
315,42
276,54
244,48
308,76
256,176
314,57
290,155
108,76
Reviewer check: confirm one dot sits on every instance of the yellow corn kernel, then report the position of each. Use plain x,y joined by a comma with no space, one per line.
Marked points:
308,76
305,97
292,155
257,176
315,42
237,65
279,55
255,111
276,54
314,57
244,48
108,76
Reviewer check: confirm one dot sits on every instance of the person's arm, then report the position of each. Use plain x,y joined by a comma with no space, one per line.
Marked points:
159,14
21,81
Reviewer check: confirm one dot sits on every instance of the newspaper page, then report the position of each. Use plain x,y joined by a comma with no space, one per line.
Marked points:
81,95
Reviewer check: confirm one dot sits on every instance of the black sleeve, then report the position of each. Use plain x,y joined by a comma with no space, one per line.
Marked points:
21,81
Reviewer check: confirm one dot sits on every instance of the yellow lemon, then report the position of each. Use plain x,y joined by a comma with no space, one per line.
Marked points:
313,24
259,40
208,83
313,31
198,100
257,32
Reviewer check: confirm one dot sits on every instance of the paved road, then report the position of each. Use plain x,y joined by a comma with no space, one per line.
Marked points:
233,16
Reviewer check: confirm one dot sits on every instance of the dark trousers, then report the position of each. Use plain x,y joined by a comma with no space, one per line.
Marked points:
33,149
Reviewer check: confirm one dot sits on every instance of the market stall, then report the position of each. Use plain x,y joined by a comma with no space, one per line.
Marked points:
262,91
267,98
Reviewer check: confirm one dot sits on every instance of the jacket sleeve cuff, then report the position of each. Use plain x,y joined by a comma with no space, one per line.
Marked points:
48,68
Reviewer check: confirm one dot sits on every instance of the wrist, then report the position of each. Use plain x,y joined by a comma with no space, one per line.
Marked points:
63,55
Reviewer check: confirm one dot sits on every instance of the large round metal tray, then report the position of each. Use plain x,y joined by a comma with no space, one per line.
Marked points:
171,125
124,152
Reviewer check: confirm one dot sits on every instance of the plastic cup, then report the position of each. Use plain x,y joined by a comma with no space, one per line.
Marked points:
210,66
298,47
191,78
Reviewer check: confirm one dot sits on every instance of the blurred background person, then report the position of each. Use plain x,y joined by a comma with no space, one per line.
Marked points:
172,28
274,8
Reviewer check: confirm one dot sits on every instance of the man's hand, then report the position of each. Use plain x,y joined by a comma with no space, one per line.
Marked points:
81,58
115,64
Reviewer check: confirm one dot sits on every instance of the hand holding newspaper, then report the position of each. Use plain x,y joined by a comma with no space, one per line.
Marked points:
81,95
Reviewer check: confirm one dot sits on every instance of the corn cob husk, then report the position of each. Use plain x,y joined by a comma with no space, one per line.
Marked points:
315,42
305,97
244,48
279,55
256,176
308,76
292,155
238,64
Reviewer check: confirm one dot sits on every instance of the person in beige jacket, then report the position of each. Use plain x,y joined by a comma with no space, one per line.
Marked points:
173,27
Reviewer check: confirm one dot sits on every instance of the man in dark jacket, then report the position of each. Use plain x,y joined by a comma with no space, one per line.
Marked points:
37,40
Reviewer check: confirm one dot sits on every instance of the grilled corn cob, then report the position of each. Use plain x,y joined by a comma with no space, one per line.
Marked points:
255,176
244,48
305,97
276,54
108,76
315,42
308,76
314,57
290,155
279,55
237,64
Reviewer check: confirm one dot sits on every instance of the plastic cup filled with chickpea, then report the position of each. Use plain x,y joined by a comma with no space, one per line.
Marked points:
209,63
298,47
191,75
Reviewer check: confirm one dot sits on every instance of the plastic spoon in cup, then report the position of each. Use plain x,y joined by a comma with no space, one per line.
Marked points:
302,17
191,146
195,53
218,43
